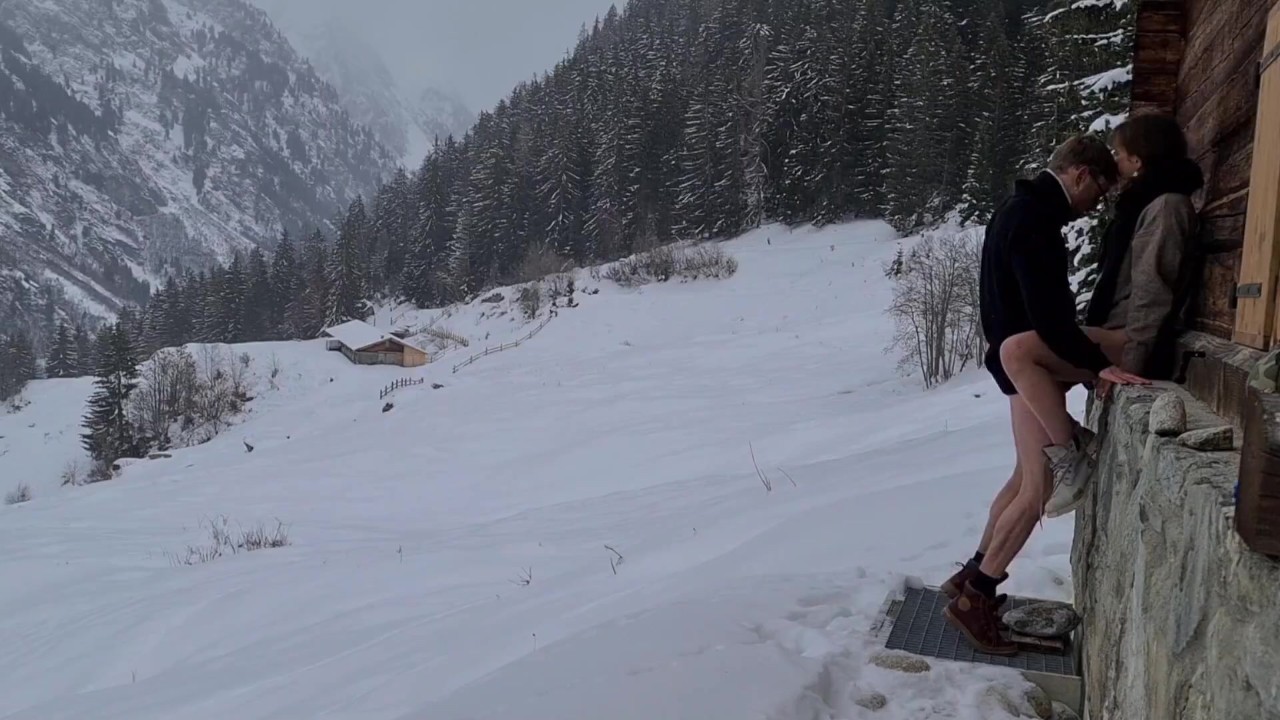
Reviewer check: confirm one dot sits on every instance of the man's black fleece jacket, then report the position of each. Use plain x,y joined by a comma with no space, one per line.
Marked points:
1025,281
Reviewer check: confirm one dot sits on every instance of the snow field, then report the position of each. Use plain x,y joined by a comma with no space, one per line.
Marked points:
448,558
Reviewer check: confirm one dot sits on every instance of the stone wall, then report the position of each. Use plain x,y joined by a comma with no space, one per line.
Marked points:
1181,620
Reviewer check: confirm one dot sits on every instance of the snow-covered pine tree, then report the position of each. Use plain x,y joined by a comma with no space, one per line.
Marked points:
62,361
925,173
286,284
346,271
85,361
17,363
257,298
392,216
108,433
1083,87
230,302
306,314
997,85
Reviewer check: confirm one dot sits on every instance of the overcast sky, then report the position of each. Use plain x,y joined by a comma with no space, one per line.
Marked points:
478,49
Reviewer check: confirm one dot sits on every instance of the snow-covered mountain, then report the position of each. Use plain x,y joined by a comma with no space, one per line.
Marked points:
440,114
405,119
140,137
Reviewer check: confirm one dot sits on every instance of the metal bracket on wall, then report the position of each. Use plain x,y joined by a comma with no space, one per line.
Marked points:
1249,291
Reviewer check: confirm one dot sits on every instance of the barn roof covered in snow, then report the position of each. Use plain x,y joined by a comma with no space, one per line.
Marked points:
358,335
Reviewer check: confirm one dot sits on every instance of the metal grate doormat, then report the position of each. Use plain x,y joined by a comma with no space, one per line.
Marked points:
919,628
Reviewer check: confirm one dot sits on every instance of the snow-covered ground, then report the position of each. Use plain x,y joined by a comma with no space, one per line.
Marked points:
449,559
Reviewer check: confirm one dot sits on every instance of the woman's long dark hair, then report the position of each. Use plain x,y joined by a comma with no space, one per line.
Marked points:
1155,138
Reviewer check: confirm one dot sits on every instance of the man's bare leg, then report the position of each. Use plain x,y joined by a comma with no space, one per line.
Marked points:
1036,372
999,505
1015,524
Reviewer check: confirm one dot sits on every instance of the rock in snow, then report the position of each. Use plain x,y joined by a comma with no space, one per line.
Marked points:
901,663
872,701
1043,619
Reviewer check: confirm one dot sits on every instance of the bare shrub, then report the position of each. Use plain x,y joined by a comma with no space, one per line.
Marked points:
935,307
223,541
165,393
560,285
707,261
274,369
100,471
530,300
540,261
260,538
220,393
20,494
71,473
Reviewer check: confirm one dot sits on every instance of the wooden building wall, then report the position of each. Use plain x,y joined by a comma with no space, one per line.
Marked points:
1215,99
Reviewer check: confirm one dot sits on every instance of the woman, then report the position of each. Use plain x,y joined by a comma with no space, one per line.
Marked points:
1146,265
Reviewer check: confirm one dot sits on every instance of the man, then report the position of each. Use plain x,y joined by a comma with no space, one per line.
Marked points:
1025,287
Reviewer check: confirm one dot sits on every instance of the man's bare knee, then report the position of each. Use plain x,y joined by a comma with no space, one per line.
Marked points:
1018,350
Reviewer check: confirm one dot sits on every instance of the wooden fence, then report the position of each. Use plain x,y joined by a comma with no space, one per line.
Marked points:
505,346
402,382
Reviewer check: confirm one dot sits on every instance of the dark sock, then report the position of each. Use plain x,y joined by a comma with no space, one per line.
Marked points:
984,584
978,557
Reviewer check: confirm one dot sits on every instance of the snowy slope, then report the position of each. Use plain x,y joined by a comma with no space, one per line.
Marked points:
629,421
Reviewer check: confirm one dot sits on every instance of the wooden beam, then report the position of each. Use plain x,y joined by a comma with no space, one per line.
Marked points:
1256,321
1157,53
1258,507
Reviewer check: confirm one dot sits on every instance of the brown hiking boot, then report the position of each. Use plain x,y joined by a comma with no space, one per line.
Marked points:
967,572
974,615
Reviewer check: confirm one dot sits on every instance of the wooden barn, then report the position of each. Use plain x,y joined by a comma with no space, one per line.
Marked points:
364,344
1215,64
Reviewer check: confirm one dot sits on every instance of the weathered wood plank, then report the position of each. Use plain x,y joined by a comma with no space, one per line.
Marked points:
1214,29
1154,91
1262,222
1218,373
1214,313
1235,203
1258,508
1207,76
1227,232
1157,53
1163,16
1227,164
1158,50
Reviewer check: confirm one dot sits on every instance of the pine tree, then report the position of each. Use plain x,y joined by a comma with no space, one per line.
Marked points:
346,270
257,298
108,433
63,361
285,287
17,363
993,124
86,361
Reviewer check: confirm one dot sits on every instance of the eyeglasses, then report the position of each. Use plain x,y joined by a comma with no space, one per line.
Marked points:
1103,186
